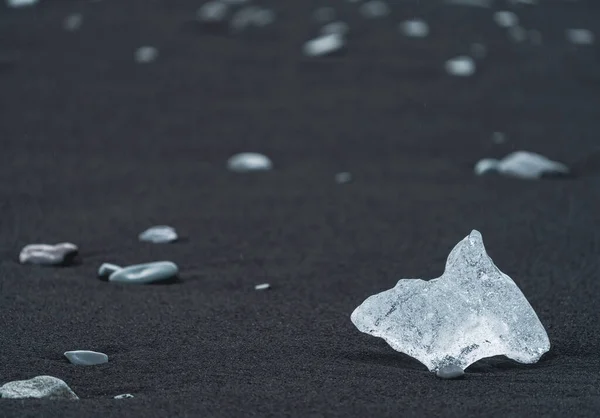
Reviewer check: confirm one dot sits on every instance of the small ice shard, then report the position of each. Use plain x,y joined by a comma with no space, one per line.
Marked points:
86,358
414,28
46,387
339,28
343,177
159,234
145,273
212,12
145,54
373,9
324,45
324,14
580,36
107,269
522,164
461,66
263,286
450,372
73,22
21,3
50,255
249,161
472,311
506,19
124,396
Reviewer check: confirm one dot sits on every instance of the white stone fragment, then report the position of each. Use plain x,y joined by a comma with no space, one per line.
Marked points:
414,28
249,161
263,286
522,164
580,36
86,358
339,28
461,66
159,234
506,19
21,3
343,177
46,387
373,9
472,311
145,54
324,45
124,396
470,3
73,22
324,14
212,11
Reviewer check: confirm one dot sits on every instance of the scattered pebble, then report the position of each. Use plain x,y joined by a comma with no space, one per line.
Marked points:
39,387
21,3
263,286
517,33
580,36
145,54
141,273
478,50
343,177
49,255
73,22
450,372
86,358
249,161
461,66
338,28
415,28
498,138
506,19
324,14
324,45
374,9
159,234
124,396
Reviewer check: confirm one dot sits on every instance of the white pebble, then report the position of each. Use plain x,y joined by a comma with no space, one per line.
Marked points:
324,45
263,286
461,66
374,9
21,3
498,138
506,19
339,28
249,161
580,36
145,54
343,177
415,28
73,22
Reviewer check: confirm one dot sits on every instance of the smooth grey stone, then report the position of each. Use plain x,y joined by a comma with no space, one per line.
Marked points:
50,255
450,372
46,387
145,273
124,396
86,358
106,269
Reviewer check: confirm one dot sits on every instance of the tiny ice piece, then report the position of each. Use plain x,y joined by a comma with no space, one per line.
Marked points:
263,286
580,36
73,22
86,358
324,45
213,11
249,161
506,19
343,177
159,234
145,54
124,396
472,311
522,164
44,254
374,8
415,28
450,372
40,387
106,269
145,273
461,66
21,3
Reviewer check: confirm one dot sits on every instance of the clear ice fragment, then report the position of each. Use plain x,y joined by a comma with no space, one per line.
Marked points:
159,234
249,161
522,164
472,311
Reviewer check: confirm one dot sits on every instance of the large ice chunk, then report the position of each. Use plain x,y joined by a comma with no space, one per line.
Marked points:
471,312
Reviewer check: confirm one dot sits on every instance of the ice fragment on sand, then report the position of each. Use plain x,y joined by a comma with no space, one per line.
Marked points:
145,54
263,286
249,161
461,66
506,19
107,269
145,273
213,11
124,396
324,45
44,254
46,387
522,164
86,358
73,22
374,8
21,3
450,372
339,28
580,36
471,3
343,177
415,28
471,312
159,234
